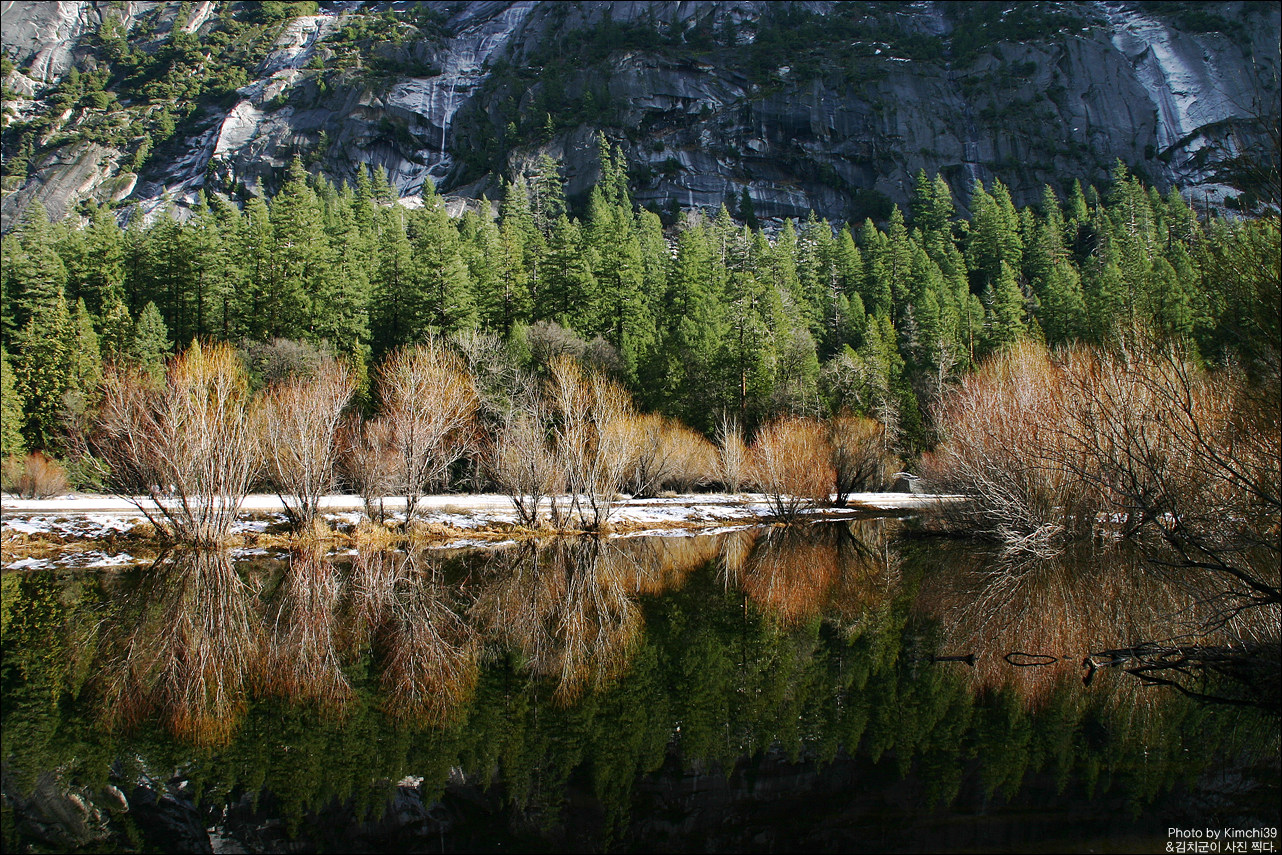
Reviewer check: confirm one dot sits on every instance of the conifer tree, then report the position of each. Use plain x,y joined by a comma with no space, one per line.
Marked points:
1063,305
442,294
150,347
392,312
302,266
253,309
524,246
42,371
994,234
117,331
568,285
12,417
1006,311
38,276
84,354
748,354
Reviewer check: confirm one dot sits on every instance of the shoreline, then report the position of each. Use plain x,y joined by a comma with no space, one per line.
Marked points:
106,527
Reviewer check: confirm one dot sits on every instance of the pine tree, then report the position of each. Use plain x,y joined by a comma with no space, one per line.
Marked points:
748,211
11,411
1063,305
117,331
41,371
523,249
1006,314
482,247
84,354
151,345
546,194
994,234
253,309
301,260
38,277
569,288
392,311
442,294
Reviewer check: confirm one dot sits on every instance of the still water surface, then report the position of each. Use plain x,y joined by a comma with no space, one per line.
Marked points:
835,687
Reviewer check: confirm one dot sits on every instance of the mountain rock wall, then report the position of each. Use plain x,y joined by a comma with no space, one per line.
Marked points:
703,105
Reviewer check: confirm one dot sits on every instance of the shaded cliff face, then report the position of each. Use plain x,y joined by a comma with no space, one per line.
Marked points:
824,106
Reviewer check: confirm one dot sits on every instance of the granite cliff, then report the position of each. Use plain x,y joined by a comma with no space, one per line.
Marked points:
815,105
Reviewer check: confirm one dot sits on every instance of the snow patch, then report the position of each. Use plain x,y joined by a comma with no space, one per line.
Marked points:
29,564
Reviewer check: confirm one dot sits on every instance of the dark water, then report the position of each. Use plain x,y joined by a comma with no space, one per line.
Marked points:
832,688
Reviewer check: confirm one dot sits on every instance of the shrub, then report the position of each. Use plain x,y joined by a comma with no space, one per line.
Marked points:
1137,443
34,476
523,461
791,462
732,455
861,457
669,455
430,407
1002,436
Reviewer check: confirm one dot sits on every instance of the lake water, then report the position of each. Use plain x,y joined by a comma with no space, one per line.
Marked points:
838,687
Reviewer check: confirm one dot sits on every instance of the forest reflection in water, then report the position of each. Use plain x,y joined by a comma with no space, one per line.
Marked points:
518,665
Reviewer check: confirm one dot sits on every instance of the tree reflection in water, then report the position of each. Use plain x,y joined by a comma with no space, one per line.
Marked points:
189,651
569,608
302,648
667,658
796,574
430,656
1034,623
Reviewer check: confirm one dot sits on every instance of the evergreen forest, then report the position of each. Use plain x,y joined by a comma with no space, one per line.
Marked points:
704,318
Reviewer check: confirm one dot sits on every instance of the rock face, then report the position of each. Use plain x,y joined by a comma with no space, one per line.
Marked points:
843,134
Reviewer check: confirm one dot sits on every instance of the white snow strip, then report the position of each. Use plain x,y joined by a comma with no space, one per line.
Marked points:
28,564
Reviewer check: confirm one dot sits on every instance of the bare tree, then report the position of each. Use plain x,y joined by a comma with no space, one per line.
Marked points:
299,424
595,438
732,453
523,461
430,406
184,452
371,463
999,427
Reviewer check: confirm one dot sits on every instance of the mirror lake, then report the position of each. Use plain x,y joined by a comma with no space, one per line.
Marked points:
848,686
